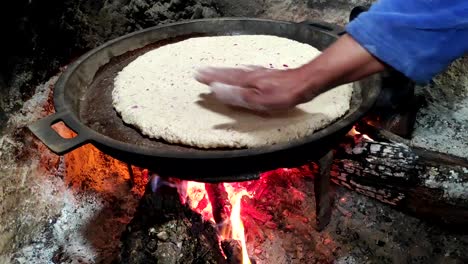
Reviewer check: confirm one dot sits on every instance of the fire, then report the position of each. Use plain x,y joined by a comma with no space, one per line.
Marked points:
197,199
233,227
354,133
237,227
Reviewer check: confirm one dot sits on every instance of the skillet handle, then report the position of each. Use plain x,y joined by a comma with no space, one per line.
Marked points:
324,26
43,130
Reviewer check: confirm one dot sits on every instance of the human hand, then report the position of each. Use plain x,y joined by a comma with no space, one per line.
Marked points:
263,89
257,88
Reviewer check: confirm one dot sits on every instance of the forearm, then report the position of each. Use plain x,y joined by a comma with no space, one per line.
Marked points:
343,62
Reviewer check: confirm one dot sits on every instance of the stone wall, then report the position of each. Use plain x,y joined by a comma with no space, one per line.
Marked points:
44,36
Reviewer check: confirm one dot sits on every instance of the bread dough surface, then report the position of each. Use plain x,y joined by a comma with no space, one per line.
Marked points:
157,94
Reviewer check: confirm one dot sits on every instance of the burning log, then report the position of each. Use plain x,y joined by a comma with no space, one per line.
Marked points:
220,203
221,208
233,251
165,231
419,181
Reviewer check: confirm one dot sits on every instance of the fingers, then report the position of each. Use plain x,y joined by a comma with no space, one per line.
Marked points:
231,86
251,87
255,67
205,75
236,96
231,76
229,94
249,98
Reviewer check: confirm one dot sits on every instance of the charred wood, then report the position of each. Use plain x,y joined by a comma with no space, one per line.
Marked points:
233,250
165,231
429,184
219,201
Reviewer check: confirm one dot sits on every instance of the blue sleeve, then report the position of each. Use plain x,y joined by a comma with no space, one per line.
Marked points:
419,38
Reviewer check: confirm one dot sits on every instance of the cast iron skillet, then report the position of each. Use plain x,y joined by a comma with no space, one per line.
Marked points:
82,99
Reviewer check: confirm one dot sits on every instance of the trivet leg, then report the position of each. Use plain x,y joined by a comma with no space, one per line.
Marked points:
322,192
132,176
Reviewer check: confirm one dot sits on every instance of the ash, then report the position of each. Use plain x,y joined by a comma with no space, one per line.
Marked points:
442,124
50,212
63,241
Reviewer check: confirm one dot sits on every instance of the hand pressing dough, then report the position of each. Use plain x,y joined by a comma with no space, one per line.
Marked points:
157,94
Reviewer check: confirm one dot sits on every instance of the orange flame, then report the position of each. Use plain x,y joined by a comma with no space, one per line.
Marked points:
197,199
236,225
237,231
353,132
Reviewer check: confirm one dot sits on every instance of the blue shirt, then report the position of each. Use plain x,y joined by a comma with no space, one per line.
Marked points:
419,38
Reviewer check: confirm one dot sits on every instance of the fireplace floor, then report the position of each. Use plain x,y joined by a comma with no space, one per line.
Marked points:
60,214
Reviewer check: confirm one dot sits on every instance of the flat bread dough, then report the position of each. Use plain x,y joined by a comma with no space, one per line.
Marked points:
157,93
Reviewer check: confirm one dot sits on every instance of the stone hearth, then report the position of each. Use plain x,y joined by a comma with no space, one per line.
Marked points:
54,211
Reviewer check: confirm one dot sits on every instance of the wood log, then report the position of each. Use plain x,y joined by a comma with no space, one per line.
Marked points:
233,251
219,201
426,183
165,231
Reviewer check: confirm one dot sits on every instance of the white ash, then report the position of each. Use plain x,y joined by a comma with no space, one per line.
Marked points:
26,204
346,260
33,109
43,198
43,219
452,185
443,124
65,234
443,129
